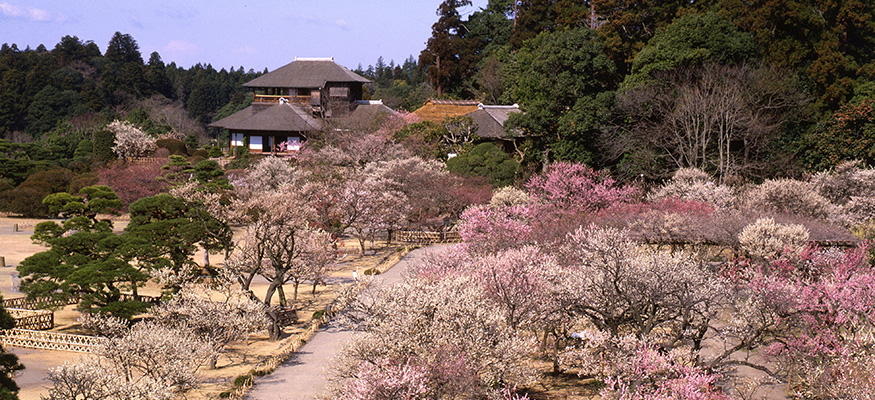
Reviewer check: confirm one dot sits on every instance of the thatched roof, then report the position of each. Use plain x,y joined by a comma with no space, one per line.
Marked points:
306,73
280,117
438,110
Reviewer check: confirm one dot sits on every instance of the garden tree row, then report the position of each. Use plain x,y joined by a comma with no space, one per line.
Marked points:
295,215
563,272
89,261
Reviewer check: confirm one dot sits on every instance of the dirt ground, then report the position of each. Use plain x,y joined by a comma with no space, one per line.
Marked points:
240,358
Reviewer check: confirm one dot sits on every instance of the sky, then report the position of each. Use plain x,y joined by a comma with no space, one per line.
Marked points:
230,34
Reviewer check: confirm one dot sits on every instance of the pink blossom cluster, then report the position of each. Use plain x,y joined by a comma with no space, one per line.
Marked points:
569,186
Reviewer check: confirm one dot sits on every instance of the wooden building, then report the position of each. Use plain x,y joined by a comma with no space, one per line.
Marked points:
489,119
291,102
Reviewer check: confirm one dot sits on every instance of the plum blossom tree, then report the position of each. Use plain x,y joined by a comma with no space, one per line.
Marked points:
517,280
633,368
574,187
217,314
385,380
280,245
145,361
130,141
767,239
617,286
424,182
93,379
813,316
445,325
372,204
509,196
486,229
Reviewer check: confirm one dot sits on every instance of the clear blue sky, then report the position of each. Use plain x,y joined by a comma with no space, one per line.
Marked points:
226,33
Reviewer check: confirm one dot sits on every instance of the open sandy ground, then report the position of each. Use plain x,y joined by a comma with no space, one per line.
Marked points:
241,357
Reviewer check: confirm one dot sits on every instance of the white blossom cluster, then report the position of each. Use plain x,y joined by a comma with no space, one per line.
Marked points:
130,141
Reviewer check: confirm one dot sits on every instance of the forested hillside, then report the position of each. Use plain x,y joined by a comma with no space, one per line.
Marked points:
740,89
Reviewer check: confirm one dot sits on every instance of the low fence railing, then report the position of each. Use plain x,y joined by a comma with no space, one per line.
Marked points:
153,300
32,319
38,303
426,237
42,340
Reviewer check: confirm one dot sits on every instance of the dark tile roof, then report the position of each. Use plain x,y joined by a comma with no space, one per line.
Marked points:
280,117
490,120
306,73
368,109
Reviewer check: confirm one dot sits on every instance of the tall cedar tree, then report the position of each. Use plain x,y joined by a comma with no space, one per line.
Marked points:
448,57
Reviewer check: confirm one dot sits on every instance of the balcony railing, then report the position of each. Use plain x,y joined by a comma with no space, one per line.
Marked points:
264,98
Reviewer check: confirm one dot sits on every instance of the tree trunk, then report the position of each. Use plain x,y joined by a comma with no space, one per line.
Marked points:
206,258
282,294
275,330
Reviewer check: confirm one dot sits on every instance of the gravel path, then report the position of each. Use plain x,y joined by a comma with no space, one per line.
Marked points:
304,375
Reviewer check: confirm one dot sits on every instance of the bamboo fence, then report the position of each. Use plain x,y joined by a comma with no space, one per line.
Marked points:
39,302
426,237
43,340
32,319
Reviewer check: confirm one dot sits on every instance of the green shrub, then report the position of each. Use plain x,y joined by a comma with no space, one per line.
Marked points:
191,142
488,161
372,271
201,153
26,200
318,314
58,179
173,145
81,181
104,140
241,380
216,152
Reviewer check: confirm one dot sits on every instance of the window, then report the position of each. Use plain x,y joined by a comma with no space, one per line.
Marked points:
236,139
255,143
338,91
293,143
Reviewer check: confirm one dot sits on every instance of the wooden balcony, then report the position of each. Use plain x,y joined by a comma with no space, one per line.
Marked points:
264,98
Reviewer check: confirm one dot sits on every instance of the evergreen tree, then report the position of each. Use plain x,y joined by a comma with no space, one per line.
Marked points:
9,364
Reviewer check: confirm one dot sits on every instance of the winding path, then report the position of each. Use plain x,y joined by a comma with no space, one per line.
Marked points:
305,375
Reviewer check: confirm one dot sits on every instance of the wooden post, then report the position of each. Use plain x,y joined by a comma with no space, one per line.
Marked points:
2,262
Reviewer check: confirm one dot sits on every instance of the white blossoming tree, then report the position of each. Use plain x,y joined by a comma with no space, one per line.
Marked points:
130,141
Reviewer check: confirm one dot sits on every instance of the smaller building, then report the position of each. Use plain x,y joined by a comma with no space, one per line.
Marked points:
489,119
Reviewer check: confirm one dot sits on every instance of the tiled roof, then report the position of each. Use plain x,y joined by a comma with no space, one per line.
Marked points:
490,120
369,109
306,73
280,117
